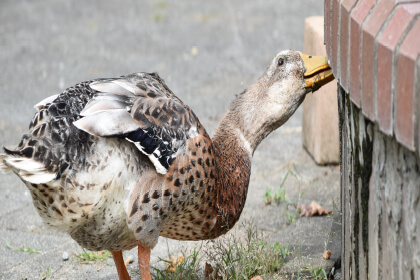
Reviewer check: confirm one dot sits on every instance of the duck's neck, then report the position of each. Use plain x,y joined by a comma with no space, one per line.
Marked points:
233,158
251,117
234,147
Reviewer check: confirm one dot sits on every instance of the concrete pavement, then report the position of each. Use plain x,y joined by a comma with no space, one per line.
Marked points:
206,51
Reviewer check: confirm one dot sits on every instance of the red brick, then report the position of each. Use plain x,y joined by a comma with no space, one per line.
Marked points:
346,8
370,30
405,113
417,89
358,15
327,25
335,65
385,63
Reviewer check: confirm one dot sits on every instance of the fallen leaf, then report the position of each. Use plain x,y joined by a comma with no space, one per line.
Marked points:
127,261
99,268
313,209
174,263
130,259
257,278
327,254
210,273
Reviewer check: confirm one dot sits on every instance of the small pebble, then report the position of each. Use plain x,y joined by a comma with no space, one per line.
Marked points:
65,256
194,51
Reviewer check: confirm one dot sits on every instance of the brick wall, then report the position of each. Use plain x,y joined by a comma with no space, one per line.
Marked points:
374,50
380,200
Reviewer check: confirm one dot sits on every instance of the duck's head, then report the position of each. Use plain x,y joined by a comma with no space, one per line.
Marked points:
290,76
269,102
295,73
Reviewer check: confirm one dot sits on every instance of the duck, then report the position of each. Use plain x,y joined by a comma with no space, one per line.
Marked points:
116,163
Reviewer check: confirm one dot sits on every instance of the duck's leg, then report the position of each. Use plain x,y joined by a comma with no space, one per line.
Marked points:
119,263
144,262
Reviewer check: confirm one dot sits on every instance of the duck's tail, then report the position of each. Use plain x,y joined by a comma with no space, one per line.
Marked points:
28,169
4,168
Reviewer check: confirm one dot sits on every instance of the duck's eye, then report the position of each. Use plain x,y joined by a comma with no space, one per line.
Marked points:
281,61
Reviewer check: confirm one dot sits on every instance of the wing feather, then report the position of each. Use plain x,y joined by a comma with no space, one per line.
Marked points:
98,105
107,123
111,87
141,109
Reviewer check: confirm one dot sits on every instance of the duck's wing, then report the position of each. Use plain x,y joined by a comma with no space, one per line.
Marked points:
141,109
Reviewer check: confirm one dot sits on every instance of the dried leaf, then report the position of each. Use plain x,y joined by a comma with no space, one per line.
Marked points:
210,273
127,261
174,263
313,209
327,254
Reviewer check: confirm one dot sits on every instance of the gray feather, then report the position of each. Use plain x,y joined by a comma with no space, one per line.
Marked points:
107,123
111,87
98,105
111,96
129,86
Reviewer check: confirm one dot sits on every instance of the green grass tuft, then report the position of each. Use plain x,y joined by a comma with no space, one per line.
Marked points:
317,273
187,269
228,257
90,256
232,257
24,248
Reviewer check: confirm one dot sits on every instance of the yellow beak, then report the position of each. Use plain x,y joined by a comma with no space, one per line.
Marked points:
318,72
